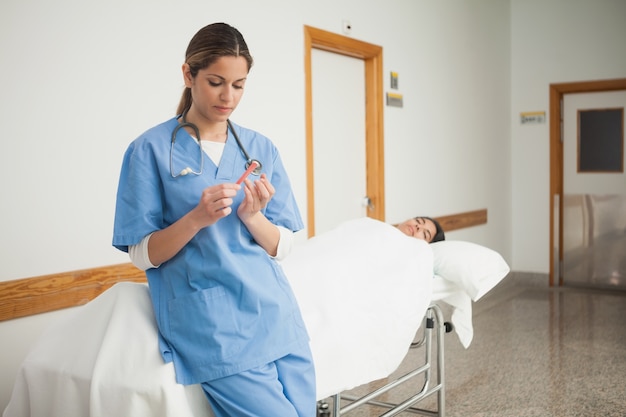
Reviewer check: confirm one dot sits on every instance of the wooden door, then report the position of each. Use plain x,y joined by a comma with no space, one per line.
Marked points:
371,55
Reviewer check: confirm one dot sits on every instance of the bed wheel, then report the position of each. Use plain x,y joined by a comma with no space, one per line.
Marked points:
449,326
322,409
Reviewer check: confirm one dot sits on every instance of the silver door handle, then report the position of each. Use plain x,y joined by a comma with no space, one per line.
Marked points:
367,202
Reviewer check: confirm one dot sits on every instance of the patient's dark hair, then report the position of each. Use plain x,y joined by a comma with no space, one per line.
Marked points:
439,235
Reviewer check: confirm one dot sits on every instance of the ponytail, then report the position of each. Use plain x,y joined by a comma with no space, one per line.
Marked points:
185,101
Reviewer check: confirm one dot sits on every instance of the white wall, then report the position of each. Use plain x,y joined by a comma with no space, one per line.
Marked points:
81,79
78,88
552,42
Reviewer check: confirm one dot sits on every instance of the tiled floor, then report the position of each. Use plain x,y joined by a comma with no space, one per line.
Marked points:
537,351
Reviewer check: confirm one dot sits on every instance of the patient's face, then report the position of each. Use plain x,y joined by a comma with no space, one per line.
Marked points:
419,228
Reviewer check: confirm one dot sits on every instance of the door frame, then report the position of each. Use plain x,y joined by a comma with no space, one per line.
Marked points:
372,55
557,91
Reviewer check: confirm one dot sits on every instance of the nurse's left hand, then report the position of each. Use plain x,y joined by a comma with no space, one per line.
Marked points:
257,194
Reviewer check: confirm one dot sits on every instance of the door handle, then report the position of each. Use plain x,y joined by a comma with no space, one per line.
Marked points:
367,202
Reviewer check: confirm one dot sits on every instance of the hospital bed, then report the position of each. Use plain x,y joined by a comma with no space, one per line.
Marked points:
464,273
365,291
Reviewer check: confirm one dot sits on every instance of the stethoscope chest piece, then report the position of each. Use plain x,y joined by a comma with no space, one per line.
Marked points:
257,170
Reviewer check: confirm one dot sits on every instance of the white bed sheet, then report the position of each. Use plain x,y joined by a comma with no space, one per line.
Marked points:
363,289
457,298
101,361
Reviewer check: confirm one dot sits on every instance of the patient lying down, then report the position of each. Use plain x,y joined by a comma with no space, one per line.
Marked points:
423,228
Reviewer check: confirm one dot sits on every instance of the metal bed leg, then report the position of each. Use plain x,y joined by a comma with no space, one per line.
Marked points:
442,329
337,405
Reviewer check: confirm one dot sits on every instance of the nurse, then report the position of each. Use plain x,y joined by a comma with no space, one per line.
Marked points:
226,315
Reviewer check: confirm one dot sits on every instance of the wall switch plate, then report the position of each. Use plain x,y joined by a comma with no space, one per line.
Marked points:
394,100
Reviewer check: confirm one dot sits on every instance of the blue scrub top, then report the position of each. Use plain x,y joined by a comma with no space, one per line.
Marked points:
222,304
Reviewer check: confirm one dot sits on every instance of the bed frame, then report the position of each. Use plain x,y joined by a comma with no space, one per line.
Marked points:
29,296
432,381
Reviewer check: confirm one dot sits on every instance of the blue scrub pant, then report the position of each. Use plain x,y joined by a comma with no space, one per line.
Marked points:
285,388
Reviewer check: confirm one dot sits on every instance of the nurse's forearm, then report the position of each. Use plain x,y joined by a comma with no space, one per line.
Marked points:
214,205
166,243
265,233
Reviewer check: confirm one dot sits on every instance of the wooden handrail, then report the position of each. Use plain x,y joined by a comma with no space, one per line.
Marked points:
462,220
28,296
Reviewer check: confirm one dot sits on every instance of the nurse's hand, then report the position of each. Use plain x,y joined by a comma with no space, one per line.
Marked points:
215,203
256,196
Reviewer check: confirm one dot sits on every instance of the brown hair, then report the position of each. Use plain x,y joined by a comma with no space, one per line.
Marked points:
439,234
207,45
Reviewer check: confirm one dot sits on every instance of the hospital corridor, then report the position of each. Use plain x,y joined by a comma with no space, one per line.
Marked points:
537,352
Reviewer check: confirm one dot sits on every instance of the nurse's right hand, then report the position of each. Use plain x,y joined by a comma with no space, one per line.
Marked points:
215,203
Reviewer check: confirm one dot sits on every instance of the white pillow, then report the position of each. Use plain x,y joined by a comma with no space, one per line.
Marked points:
473,267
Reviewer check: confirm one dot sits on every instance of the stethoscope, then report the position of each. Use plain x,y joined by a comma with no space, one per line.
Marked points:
188,170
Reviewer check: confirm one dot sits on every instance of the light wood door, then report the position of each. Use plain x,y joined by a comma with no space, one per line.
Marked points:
371,57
